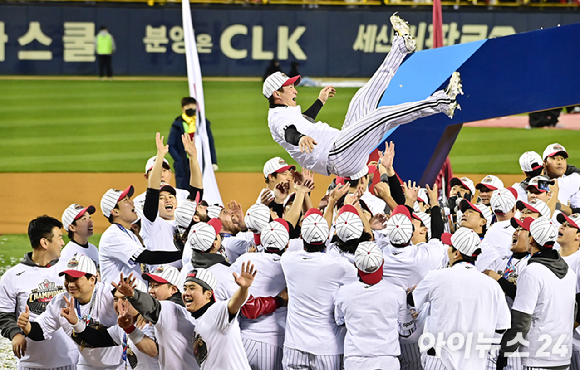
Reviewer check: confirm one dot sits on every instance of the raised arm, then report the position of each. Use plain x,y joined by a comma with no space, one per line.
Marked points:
147,306
244,281
196,179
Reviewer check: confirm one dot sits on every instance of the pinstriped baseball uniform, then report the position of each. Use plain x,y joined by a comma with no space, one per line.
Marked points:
345,152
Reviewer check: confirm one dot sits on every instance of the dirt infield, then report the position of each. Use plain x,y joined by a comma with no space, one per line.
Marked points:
25,196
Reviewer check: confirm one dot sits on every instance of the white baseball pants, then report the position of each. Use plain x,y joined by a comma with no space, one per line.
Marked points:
365,124
298,360
263,356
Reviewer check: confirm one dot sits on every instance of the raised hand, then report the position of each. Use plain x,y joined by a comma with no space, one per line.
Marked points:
325,93
247,274
386,158
337,193
281,192
237,214
382,190
68,311
161,148
379,221
267,197
125,287
433,194
411,191
124,320
307,144
189,146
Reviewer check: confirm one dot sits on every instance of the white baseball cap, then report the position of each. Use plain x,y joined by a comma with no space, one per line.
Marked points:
503,200
464,240
276,80
314,227
257,217
348,224
112,197
536,206
368,259
553,149
74,212
151,163
276,165
541,183
463,181
491,182
214,210
164,274
202,235
544,231
481,208
573,220
79,265
530,161
422,196
275,235
203,277
184,213
399,226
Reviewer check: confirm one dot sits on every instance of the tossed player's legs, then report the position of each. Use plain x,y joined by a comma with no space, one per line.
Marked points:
367,97
262,356
410,356
350,151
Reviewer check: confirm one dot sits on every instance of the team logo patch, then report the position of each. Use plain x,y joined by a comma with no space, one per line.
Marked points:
159,270
40,297
73,263
486,179
199,349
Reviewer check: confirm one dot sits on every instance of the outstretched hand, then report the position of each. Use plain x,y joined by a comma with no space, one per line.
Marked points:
189,146
125,286
411,191
338,192
161,148
247,274
325,93
68,311
307,144
386,158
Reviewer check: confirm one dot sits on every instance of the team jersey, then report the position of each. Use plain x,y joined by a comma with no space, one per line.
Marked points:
407,266
551,301
313,280
334,250
466,302
500,236
158,236
35,286
374,316
568,185
144,362
118,249
237,245
98,311
269,282
217,341
72,248
510,267
280,118
487,257
573,262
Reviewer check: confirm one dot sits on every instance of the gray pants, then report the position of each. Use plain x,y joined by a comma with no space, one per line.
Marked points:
299,360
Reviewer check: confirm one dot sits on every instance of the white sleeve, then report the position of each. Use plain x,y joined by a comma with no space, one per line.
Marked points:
221,316
527,293
116,333
503,312
422,292
49,320
8,300
338,307
350,272
123,249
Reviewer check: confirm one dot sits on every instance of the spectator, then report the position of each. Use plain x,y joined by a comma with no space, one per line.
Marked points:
105,47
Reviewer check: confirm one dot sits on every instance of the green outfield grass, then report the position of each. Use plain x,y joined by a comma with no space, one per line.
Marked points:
94,126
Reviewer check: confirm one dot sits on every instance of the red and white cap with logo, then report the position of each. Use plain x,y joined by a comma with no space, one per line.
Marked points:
214,210
112,197
74,212
464,240
555,149
490,182
348,224
205,278
276,165
481,208
314,227
202,235
79,266
368,259
536,206
275,235
573,220
530,161
544,231
463,181
399,226
151,163
257,217
164,274
503,200
276,80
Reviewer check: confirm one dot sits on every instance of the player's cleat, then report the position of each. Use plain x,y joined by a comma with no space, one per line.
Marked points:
451,110
401,28
455,87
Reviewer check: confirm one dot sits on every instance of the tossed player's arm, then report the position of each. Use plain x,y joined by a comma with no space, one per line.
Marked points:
244,281
325,93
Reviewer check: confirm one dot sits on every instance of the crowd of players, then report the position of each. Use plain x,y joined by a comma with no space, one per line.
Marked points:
403,277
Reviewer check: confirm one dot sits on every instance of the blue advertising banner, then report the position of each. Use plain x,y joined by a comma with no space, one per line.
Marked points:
39,39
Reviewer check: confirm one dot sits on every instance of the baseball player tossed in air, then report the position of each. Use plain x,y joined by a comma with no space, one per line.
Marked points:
323,149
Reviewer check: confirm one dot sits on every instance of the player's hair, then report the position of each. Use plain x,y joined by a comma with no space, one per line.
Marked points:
466,258
275,174
271,98
310,248
354,183
110,218
187,100
350,246
41,227
534,173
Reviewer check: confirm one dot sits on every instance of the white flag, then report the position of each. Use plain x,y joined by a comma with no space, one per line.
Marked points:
211,193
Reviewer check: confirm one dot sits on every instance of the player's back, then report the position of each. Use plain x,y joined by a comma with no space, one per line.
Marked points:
313,280
407,266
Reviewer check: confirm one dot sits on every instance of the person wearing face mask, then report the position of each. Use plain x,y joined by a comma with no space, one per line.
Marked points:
186,123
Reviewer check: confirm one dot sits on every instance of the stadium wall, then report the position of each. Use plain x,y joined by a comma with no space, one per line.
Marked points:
42,39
